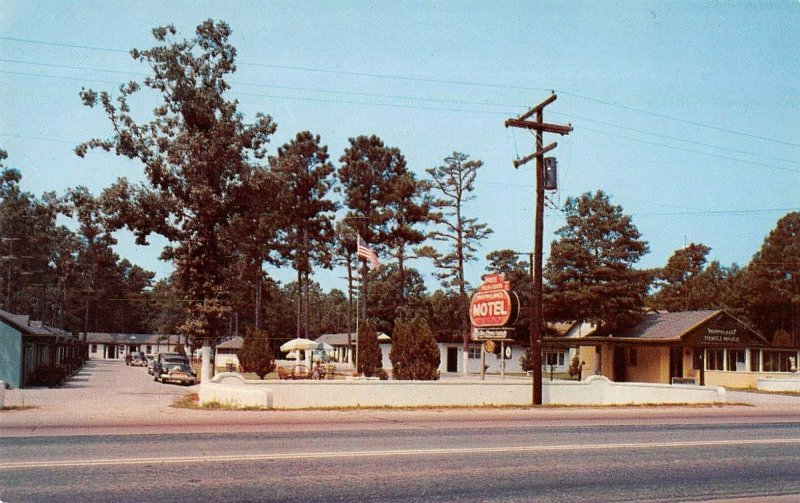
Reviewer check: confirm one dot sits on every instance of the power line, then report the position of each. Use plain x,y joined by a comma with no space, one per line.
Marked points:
444,81
57,44
772,166
412,98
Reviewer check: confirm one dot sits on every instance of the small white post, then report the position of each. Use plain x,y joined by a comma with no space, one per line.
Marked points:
205,366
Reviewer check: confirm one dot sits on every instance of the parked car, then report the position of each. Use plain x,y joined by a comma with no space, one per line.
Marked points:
137,359
178,372
165,358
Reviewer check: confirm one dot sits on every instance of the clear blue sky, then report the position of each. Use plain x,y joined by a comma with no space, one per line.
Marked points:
686,113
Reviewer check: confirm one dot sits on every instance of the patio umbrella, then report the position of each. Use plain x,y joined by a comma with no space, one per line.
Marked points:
300,344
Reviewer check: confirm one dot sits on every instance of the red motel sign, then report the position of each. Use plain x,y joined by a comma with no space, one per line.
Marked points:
493,305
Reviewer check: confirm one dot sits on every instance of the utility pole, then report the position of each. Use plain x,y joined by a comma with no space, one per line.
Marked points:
540,127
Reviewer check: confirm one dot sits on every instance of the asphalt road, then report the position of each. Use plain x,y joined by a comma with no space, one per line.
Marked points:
671,462
111,435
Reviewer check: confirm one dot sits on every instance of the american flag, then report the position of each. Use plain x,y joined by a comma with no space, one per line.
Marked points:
364,251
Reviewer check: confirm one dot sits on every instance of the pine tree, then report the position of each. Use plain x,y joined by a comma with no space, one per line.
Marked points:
415,355
590,275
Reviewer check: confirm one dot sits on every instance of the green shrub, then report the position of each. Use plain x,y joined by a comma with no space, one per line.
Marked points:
415,355
370,357
256,355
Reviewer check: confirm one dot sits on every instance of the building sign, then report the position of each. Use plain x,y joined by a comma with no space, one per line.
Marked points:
723,331
721,336
493,305
491,334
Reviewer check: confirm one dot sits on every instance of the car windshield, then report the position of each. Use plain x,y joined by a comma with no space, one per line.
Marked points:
177,366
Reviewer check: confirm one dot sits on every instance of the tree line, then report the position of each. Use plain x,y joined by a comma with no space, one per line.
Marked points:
228,209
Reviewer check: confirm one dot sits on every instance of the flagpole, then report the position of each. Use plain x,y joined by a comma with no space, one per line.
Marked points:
358,316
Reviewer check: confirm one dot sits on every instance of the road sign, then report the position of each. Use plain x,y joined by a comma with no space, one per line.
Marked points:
488,346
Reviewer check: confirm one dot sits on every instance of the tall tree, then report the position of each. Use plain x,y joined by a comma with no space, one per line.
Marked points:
198,156
394,295
303,172
410,209
590,275
368,174
770,286
454,182
687,282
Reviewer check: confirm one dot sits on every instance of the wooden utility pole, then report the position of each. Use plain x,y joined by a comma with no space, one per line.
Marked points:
537,325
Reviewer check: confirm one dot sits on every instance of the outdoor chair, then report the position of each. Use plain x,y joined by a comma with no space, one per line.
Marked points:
300,372
283,374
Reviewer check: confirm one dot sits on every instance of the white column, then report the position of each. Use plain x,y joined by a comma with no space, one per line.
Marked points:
747,359
205,367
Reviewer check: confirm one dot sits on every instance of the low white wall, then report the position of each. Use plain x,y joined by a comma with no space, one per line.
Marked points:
779,384
233,389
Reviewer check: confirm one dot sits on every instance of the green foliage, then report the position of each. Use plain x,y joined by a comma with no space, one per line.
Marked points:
453,182
589,273
526,360
393,296
687,283
256,354
414,355
369,352
769,287
445,316
200,161
305,213
371,178
517,273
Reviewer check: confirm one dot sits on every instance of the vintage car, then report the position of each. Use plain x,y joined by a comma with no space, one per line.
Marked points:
178,372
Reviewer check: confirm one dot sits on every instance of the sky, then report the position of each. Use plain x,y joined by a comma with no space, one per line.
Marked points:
685,113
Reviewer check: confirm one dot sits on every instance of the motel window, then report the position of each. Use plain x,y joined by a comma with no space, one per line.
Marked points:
778,361
697,358
754,360
94,348
736,360
714,359
553,359
149,349
475,353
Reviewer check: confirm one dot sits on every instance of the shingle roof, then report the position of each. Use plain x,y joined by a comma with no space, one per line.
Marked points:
232,343
24,324
666,326
118,338
341,339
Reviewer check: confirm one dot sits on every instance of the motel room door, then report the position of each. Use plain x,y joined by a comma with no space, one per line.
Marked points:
675,363
452,359
620,369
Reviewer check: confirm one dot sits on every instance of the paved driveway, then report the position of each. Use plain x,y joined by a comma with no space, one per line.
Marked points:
102,389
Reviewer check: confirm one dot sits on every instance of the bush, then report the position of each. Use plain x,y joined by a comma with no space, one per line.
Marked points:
526,361
415,355
256,355
370,357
